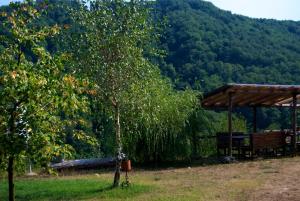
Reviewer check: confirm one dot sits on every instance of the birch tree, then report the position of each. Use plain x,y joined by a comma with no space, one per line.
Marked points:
111,52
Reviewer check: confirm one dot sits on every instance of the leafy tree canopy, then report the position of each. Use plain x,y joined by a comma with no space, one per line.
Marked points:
34,90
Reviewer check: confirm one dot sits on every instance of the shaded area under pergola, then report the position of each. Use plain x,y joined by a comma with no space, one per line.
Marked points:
254,95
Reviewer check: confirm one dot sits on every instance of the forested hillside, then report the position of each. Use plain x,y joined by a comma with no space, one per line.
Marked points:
207,47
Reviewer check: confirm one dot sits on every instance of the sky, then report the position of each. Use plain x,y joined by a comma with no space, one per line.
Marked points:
5,2
274,9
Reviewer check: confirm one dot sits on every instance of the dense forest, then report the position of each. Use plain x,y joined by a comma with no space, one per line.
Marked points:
208,47
203,47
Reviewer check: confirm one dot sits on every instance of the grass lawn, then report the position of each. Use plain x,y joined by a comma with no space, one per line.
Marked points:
86,187
264,180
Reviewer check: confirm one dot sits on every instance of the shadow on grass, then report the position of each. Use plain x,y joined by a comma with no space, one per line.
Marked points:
152,166
202,162
70,189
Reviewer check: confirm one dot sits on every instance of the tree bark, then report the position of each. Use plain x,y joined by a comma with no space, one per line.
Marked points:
10,167
11,186
119,147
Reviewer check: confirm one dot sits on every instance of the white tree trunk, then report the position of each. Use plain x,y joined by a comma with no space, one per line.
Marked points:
119,146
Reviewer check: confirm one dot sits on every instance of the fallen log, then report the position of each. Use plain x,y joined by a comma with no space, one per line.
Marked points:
93,163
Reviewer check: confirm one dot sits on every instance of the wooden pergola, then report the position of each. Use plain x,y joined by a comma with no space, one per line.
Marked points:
254,95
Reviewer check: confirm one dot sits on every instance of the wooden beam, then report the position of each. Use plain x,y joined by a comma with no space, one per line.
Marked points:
253,99
254,119
244,97
294,122
278,100
260,91
225,106
287,100
223,100
230,123
214,99
266,99
214,96
271,100
274,106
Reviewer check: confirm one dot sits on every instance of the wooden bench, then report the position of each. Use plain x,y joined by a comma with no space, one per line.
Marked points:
269,141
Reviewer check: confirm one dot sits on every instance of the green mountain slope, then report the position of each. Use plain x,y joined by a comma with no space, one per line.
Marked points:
208,47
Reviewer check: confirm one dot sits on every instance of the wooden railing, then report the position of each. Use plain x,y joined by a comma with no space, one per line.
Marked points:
271,141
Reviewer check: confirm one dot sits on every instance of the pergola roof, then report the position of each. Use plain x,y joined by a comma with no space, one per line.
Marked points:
253,95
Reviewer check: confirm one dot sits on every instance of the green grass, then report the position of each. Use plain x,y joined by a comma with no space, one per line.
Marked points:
251,181
71,189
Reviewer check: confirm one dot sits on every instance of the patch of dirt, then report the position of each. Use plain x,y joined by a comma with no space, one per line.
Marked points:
282,182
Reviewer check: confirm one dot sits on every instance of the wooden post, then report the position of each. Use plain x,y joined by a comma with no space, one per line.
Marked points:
230,123
294,122
254,119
